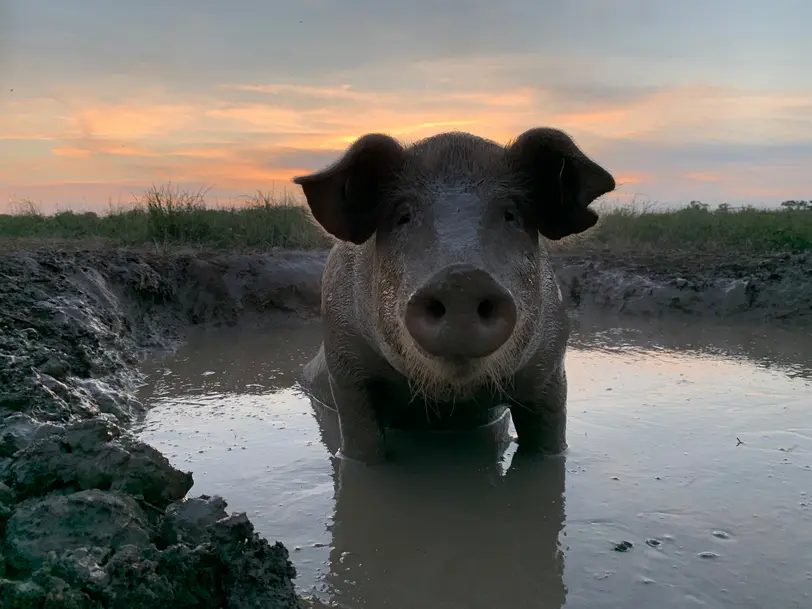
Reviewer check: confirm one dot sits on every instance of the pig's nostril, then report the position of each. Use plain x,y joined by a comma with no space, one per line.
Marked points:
486,309
435,308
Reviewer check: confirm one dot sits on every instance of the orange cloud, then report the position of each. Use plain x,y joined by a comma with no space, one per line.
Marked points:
409,130
627,179
231,141
698,112
598,119
202,153
264,117
36,119
250,177
71,151
101,147
129,121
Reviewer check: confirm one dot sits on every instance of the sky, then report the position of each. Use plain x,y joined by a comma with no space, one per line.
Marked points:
705,100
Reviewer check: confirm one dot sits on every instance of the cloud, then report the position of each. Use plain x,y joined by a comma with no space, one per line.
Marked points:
72,151
31,119
133,120
704,176
701,113
119,94
307,91
683,142
191,42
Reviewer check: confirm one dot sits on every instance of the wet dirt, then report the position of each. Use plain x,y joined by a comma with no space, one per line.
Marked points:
75,324
89,515
697,284
688,481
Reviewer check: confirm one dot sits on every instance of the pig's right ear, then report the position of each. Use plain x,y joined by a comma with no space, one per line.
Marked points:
561,180
348,198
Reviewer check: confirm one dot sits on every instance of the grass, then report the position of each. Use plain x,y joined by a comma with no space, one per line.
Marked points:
695,227
165,216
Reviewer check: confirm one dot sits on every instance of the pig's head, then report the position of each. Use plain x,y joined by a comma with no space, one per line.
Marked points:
453,227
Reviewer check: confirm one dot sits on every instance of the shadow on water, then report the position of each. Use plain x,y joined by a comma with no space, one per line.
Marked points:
463,520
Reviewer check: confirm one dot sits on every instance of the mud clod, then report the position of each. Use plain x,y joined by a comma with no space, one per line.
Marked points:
100,545
97,523
188,522
96,454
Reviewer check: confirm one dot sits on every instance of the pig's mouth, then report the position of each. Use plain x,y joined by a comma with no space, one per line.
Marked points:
459,366
444,378
458,371
454,367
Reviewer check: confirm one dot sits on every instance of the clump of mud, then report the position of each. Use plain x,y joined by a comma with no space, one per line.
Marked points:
89,516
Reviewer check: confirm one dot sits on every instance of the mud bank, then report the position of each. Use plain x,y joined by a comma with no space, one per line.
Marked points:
90,517
754,288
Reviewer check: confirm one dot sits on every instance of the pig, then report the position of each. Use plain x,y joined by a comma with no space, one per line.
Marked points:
439,304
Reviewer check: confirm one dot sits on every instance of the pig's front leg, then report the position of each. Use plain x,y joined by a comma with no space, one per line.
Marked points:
362,437
540,415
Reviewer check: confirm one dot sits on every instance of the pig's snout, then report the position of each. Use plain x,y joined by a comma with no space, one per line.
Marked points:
461,312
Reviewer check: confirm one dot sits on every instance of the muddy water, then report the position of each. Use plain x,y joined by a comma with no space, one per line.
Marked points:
688,482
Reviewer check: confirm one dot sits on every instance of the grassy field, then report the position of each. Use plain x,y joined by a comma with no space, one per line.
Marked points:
168,217
694,227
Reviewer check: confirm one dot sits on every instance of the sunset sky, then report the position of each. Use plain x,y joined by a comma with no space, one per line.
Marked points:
697,99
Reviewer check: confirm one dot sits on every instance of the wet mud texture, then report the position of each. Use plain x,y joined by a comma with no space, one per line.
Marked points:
731,286
91,517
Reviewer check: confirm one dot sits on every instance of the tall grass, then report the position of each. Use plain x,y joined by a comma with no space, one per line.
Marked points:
747,230
167,216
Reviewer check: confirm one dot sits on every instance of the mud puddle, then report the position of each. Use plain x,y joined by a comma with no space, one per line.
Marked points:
688,482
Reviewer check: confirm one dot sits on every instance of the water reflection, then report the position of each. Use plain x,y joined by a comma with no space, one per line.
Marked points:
444,522
460,520
770,346
242,360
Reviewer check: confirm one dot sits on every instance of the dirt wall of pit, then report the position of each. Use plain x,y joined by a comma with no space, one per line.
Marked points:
91,517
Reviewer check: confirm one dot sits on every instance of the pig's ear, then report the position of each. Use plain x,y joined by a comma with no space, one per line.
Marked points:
348,197
561,180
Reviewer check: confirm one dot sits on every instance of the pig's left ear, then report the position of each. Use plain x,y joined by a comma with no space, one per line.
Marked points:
348,198
562,182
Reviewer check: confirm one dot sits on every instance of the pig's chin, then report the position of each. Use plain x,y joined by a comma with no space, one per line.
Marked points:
456,369
444,378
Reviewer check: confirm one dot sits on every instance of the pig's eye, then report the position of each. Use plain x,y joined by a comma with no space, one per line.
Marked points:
404,219
509,216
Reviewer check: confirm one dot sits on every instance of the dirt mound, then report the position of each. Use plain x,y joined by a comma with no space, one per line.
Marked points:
89,516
